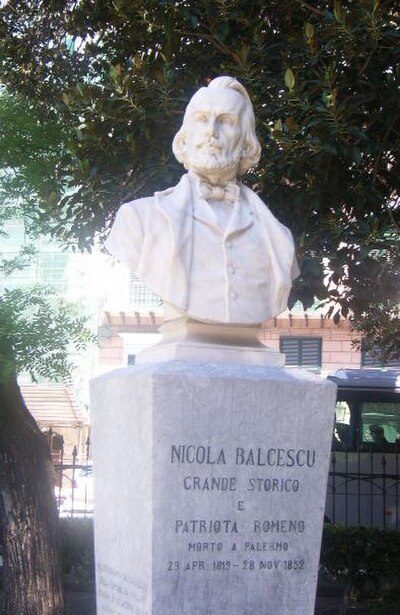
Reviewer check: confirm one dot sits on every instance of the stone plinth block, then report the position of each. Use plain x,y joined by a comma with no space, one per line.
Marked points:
210,484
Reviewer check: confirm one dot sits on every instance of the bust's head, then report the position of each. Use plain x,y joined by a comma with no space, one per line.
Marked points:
217,136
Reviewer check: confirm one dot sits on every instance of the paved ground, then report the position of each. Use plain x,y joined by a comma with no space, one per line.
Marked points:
80,603
83,603
329,601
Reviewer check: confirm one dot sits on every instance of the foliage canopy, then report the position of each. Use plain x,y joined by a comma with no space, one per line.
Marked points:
37,330
36,334
324,78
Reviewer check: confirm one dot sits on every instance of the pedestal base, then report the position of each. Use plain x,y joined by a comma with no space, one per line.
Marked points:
210,488
185,339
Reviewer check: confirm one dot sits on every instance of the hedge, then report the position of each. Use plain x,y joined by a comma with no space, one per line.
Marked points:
77,550
365,559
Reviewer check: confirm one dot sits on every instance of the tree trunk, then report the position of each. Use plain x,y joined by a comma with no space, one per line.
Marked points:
28,514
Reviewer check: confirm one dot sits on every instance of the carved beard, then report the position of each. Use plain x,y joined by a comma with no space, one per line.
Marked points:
203,161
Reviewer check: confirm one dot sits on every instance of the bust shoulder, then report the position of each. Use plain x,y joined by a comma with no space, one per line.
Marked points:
134,212
166,192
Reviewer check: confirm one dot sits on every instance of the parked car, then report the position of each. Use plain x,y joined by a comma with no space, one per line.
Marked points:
363,486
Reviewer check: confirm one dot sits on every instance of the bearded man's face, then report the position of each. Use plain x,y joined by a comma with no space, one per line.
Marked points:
214,134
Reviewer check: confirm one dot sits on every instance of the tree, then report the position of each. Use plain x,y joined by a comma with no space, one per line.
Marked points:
324,78
29,154
36,333
113,78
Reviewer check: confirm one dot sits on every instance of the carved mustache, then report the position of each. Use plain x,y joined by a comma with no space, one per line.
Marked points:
213,143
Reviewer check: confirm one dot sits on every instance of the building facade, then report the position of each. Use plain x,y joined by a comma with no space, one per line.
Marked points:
309,341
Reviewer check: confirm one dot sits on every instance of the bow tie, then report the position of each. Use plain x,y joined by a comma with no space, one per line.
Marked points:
228,193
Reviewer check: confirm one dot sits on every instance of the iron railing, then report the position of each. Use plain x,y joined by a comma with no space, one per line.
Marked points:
363,487
74,482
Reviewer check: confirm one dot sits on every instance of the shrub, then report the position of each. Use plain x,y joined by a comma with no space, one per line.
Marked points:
366,558
77,550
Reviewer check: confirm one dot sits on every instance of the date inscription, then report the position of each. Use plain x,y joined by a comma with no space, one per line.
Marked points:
246,564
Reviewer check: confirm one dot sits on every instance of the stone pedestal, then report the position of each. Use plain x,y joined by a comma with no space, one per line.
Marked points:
185,339
210,485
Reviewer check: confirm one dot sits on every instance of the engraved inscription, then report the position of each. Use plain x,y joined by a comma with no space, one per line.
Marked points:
201,526
271,457
120,592
238,478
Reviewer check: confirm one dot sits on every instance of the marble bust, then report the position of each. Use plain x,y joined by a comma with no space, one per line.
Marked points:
209,246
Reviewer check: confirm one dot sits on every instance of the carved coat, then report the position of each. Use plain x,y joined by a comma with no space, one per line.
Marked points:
155,237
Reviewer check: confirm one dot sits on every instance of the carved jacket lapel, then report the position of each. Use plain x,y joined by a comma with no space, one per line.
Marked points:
176,205
242,215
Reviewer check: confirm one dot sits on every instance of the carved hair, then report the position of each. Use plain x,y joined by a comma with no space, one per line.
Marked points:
251,148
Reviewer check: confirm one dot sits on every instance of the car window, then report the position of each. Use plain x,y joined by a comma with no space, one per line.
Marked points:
380,425
341,440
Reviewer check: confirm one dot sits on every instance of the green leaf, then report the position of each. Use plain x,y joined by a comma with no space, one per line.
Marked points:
84,166
338,10
309,31
66,98
80,89
223,32
376,7
289,79
194,21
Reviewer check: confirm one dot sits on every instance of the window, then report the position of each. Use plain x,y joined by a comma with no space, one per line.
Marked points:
52,266
140,296
56,444
131,359
342,432
47,266
302,351
380,424
370,359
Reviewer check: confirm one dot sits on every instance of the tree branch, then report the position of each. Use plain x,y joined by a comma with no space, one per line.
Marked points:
383,142
309,7
220,46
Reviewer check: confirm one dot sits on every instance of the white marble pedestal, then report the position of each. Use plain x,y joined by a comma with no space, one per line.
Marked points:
210,485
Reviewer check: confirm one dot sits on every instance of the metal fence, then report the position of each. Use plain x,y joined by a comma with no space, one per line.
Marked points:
363,488
74,483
